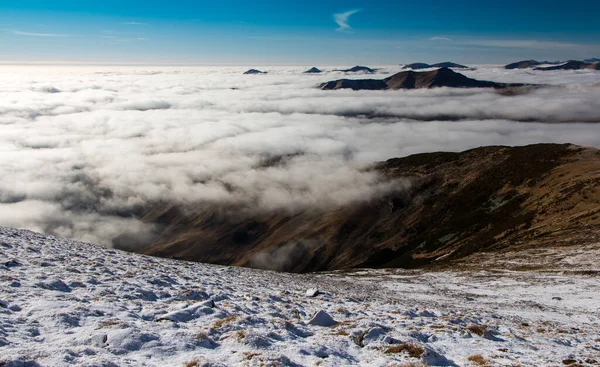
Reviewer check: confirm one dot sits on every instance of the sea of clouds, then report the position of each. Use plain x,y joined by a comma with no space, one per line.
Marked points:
83,150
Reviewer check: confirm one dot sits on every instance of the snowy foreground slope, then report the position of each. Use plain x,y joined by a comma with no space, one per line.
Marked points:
66,303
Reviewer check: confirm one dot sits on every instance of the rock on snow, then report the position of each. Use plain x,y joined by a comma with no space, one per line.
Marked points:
322,318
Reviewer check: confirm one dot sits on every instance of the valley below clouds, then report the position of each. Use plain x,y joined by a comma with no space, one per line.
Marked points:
84,151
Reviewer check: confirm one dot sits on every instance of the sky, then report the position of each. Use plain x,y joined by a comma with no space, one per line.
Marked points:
241,32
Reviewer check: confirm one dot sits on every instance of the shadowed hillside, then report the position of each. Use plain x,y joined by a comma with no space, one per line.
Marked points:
456,204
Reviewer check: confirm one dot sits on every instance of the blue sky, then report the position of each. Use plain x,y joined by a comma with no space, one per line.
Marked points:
241,32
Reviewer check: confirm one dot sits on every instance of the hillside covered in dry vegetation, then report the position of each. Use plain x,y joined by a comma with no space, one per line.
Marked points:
447,206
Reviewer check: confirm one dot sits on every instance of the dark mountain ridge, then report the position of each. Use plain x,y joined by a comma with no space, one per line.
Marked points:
558,65
358,69
571,65
443,77
254,71
524,64
446,64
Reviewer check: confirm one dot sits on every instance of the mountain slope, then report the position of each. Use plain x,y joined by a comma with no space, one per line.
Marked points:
522,64
66,303
443,77
594,66
570,65
446,206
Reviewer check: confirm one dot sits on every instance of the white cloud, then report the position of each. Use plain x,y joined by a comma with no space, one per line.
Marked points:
515,43
439,38
83,149
33,34
342,19
118,39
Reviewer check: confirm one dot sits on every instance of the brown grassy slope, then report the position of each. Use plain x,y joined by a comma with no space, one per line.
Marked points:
485,199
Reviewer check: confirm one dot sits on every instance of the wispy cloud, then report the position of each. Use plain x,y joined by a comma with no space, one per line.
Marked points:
505,43
439,38
124,39
135,23
342,20
520,44
33,34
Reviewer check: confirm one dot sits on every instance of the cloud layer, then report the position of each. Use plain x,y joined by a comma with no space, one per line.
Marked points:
83,151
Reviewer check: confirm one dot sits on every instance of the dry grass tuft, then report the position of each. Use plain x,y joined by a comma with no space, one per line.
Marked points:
478,360
437,326
349,323
108,323
219,323
240,335
477,329
194,363
569,362
250,355
413,350
340,333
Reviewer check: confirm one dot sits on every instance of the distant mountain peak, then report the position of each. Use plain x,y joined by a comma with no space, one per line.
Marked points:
313,70
358,69
445,64
570,65
443,77
254,71
523,64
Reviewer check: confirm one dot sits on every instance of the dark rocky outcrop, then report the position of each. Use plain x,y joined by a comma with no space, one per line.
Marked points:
443,77
254,71
313,70
358,69
446,64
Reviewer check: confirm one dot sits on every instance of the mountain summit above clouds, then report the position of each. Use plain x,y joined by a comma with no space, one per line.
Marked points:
358,69
313,70
446,64
443,77
571,65
593,64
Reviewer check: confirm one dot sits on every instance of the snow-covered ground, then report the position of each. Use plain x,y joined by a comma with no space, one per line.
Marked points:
66,303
